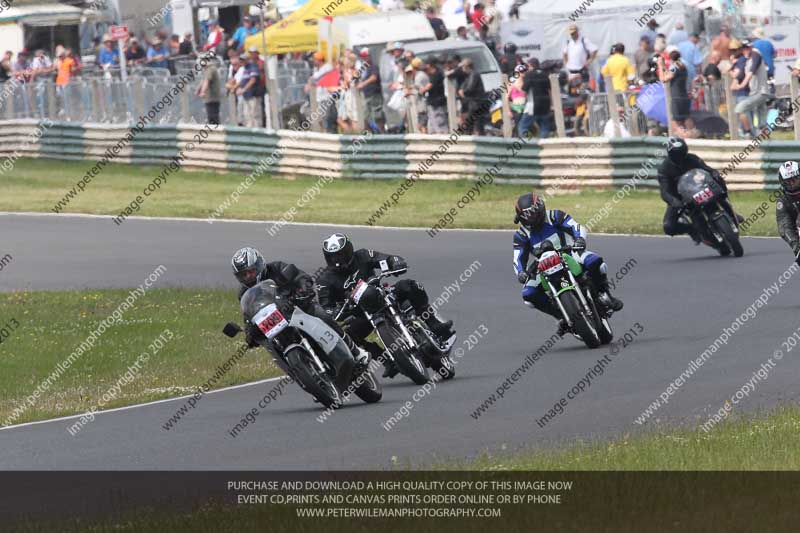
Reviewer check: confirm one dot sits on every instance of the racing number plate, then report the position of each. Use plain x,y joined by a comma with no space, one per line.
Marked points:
550,263
703,196
270,321
359,291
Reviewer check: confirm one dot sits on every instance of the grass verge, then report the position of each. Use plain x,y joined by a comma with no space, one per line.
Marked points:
37,185
53,324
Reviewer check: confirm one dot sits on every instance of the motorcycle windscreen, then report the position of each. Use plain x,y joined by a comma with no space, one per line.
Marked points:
258,297
697,186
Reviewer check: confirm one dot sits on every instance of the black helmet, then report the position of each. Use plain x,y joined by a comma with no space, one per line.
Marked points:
789,178
677,150
338,251
530,210
248,264
510,48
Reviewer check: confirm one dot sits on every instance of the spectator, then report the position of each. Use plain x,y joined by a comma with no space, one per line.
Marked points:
437,24
608,129
174,45
510,59
536,86
157,54
234,81
712,72
65,66
755,78
721,45
691,57
370,87
210,89
250,91
42,66
214,36
435,99
473,94
242,33
419,85
135,54
737,72
642,56
796,69
619,68
650,32
478,18
22,67
678,35
578,54
187,45
6,68
109,55
325,82
766,49
346,109
677,75
461,34
493,18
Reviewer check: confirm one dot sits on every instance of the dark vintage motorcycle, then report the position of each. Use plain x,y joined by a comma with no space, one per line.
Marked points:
306,348
708,210
568,286
405,336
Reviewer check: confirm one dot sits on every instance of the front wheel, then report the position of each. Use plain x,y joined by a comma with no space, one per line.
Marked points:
370,390
730,236
408,363
582,324
318,385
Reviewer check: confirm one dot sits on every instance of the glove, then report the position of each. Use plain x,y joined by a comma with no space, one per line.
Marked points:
398,263
579,245
523,277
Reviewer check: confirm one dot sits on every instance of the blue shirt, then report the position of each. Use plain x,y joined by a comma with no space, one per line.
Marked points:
153,52
677,36
241,34
251,71
740,63
107,56
768,53
691,58
650,34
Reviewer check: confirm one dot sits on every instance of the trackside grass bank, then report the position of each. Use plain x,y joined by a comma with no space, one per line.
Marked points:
168,344
36,185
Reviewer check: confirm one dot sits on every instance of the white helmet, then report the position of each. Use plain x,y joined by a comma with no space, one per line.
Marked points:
789,179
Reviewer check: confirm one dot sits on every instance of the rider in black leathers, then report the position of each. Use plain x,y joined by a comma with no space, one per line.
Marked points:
787,208
678,162
345,266
250,268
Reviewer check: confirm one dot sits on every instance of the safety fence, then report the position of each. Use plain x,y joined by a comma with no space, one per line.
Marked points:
562,163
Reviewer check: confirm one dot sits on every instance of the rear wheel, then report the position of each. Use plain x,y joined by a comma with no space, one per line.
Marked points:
408,363
318,385
582,324
731,237
445,367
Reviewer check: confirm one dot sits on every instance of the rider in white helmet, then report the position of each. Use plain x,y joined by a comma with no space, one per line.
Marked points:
787,208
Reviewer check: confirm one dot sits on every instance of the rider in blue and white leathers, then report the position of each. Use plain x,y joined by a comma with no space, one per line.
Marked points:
542,228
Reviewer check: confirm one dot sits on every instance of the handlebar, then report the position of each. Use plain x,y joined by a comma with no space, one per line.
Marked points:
375,280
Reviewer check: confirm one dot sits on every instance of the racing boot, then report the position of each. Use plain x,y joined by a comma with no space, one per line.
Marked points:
438,326
390,369
604,293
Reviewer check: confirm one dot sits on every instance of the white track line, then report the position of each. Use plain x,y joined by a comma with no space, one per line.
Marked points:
315,224
138,405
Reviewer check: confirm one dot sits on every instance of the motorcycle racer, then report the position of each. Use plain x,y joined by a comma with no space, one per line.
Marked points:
787,208
345,266
676,164
541,229
250,268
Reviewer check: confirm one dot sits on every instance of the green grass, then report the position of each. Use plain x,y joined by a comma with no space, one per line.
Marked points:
37,185
764,441
53,324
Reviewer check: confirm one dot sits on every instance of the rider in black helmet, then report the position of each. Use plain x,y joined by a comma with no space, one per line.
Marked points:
346,265
510,59
676,164
250,268
787,208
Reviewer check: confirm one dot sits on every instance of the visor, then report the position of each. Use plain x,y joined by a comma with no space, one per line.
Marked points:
340,258
792,184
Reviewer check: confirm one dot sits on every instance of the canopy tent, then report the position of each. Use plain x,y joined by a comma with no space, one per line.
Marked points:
604,22
298,31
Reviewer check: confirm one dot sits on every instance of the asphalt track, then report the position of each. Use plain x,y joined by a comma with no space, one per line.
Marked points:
681,295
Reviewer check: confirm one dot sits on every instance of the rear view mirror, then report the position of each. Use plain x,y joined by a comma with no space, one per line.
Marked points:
231,329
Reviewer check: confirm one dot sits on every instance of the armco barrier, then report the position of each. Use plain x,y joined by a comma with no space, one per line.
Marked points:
570,163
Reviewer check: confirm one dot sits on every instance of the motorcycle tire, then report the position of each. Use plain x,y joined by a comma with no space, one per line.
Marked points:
320,386
371,390
725,227
583,326
408,363
444,367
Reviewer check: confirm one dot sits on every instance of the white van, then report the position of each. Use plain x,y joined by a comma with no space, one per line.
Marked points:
483,59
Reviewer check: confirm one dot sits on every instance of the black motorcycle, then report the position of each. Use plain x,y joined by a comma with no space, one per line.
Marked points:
708,210
405,336
306,348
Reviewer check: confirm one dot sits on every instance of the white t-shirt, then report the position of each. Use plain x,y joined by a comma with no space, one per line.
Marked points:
608,130
576,52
